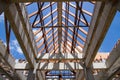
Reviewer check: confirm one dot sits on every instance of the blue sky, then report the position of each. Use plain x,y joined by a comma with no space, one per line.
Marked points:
111,38
112,35
14,46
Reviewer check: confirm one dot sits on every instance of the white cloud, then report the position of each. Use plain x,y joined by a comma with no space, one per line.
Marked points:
16,61
4,43
14,42
15,46
38,35
63,6
19,50
34,29
2,17
11,47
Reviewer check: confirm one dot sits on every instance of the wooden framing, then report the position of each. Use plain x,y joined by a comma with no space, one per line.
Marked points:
61,35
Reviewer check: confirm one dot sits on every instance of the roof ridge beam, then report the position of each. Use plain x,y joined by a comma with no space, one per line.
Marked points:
59,6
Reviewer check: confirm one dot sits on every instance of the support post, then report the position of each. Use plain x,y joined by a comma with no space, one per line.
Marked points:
59,24
87,72
31,75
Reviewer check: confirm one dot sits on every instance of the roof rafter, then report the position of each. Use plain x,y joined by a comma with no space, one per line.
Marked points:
43,8
46,39
84,11
45,17
37,40
70,36
83,21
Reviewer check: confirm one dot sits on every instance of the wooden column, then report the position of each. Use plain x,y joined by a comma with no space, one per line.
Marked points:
31,75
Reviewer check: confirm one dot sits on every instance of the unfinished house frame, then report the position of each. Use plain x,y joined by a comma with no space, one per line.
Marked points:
59,38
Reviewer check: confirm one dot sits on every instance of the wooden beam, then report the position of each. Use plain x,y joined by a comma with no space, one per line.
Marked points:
97,13
31,75
59,24
45,17
40,37
48,23
79,36
75,40
98,28
56,47
21,8
43,47
17,21
37,31
47,39
51,41
52,46
80,26
50,0
41,75
83,31
99,33
43,8
45,66
72,14
50,56
84,11
80,75
69,44
95,19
